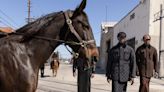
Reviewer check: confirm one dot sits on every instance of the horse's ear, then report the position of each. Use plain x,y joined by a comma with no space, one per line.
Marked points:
80,8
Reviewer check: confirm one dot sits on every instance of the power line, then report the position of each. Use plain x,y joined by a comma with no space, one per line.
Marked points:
6,22
3,23
9,18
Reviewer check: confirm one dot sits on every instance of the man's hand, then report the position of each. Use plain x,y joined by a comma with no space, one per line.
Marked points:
132,81
74,74
92,75
155,75
108,80
137,74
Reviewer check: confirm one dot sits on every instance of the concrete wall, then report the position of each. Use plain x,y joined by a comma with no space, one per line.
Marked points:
136,23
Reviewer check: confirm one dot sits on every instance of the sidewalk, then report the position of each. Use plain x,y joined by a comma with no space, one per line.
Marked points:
65,82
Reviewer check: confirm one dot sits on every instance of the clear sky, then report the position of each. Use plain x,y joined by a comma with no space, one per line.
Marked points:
14,12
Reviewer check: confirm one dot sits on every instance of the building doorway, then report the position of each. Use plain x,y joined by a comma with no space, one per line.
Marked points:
131,42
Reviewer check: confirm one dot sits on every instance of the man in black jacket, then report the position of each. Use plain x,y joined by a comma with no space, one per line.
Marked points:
121,65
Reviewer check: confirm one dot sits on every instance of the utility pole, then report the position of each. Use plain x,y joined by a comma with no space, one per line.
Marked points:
160,35
160,18
29,12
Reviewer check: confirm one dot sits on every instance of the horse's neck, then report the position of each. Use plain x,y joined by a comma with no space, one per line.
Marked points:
42,49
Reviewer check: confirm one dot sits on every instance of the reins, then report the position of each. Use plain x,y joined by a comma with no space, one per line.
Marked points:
57,40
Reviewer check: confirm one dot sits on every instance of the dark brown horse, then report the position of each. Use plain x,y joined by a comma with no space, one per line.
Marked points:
55,64
23,52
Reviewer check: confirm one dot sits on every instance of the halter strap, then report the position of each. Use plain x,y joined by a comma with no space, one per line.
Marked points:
72,29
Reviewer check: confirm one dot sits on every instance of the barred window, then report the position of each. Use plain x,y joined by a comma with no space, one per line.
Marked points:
132,16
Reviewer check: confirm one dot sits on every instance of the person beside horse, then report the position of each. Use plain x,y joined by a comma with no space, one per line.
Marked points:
86,70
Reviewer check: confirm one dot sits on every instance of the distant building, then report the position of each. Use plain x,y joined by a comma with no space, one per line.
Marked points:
136,23
106,35
6,29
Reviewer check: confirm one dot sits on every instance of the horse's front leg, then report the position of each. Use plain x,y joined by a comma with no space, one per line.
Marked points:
55,73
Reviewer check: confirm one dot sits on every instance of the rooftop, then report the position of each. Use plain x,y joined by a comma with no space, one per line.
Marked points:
6,29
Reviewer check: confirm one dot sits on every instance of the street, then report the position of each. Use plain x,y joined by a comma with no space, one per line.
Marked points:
65,82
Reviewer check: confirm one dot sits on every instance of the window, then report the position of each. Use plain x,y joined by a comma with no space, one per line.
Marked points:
132,16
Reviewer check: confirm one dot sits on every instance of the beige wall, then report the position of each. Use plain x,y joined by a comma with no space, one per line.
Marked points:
142,23
136,27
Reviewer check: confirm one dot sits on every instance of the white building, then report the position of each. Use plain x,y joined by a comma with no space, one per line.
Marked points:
106,36
139,21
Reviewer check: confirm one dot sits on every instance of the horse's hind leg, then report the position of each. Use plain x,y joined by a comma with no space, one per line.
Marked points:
53,72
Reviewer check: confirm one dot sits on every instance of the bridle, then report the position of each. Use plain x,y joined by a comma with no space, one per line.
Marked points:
82,42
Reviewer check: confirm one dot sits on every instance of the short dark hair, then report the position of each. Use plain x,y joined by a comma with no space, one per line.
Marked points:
121,34
145,36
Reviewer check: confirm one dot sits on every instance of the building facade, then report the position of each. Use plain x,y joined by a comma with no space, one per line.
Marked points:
143,19
105,43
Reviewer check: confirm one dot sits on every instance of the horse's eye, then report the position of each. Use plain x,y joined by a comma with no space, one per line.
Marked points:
86,26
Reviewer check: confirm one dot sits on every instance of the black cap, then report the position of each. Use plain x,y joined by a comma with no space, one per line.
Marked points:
121,35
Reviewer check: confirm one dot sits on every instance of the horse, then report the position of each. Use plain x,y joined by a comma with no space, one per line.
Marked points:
24,51
54,64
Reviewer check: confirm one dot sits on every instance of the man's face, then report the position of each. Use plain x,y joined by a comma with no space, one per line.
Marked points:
147,39
122,39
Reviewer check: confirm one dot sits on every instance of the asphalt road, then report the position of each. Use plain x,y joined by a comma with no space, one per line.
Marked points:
65,82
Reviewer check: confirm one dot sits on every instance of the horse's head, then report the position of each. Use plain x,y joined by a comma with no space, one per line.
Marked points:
80,31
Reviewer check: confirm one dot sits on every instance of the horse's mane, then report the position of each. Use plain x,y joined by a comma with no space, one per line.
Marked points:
34,27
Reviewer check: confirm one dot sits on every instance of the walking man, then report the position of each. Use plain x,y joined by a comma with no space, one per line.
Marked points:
146,57
121,65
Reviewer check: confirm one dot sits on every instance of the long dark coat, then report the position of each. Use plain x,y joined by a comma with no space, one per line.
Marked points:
84,74
146,57
121,64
